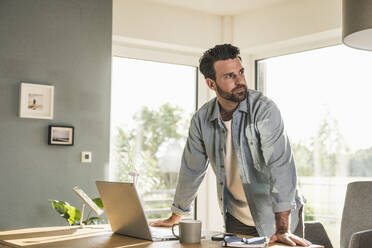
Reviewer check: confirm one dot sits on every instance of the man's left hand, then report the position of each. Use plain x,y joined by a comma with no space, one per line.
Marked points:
289,239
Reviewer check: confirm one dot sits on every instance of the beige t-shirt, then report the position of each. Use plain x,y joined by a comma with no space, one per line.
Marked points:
238,206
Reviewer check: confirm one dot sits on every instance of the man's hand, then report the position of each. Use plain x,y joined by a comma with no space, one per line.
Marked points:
289,239
282,233
173,219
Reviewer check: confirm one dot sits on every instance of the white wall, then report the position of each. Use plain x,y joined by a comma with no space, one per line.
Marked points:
285,21
151,31
166,24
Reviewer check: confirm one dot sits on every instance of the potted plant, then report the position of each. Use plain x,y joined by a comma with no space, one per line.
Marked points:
73,215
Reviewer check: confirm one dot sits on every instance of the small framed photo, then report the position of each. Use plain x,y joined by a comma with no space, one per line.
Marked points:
61,135
36,101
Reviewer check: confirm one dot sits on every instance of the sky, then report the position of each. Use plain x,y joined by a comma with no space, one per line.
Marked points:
334,81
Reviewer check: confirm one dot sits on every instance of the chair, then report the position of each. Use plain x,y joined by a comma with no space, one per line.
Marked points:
356,223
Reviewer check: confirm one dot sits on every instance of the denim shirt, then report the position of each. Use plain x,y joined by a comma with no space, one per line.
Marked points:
264,156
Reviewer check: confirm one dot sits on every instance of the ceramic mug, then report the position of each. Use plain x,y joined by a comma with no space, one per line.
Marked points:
189,231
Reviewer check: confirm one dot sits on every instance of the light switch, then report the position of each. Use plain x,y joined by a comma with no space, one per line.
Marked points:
86,157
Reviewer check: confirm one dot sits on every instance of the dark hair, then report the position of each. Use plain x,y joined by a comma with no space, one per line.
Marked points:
219,52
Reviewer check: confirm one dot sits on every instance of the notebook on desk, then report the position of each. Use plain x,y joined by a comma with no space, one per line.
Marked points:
125,212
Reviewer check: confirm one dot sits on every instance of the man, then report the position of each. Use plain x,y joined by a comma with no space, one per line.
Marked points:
241,134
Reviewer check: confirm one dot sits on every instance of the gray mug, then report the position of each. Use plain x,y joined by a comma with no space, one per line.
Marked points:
189,231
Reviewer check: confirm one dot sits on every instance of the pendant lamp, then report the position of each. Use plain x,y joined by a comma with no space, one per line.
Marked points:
357,24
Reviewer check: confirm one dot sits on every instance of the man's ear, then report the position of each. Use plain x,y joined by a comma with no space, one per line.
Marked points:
211,84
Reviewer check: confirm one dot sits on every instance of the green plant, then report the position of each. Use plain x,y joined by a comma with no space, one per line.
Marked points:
141,145
73,215
309,213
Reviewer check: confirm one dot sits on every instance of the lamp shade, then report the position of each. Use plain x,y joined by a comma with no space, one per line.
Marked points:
357,23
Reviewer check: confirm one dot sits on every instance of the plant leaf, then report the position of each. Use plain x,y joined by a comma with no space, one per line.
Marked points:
59,206
93,221
74,215
68,212
98,201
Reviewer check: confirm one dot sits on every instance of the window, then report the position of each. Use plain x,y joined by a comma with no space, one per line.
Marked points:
151,107
324,98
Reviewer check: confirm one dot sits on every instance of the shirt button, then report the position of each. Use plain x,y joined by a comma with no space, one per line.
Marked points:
251,142
222,166
221,183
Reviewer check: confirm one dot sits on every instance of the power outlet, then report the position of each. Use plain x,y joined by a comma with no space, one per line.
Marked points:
86,157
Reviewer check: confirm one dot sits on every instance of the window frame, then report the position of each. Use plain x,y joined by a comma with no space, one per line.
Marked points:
300,44
175,55
308,43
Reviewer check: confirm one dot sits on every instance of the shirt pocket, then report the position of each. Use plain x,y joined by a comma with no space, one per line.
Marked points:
253,147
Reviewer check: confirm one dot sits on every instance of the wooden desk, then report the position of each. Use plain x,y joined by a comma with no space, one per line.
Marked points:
92,237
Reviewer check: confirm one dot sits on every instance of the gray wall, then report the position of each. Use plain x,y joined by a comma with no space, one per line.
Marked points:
65,43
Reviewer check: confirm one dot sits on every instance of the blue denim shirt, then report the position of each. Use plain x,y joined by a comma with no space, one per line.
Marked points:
264,155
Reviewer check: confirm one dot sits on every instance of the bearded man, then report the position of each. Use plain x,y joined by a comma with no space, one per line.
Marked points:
240,133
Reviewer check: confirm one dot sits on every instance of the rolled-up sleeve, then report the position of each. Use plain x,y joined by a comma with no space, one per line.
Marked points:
278,157
192,171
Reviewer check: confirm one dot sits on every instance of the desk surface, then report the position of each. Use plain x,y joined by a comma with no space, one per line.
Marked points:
92,237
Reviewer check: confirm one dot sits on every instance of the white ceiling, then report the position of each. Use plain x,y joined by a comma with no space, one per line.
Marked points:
220,7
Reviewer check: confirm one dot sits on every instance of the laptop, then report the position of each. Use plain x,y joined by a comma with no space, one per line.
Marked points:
125,212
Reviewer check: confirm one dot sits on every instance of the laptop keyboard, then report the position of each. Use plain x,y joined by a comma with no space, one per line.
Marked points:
161,233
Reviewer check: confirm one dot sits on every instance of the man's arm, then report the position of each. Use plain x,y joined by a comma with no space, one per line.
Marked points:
192,172
282,233
174,218
278,157
277,153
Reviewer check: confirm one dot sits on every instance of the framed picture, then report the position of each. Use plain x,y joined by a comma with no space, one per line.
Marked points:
61,135
36,101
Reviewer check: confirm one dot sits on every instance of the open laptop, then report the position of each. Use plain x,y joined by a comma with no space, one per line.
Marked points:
125,212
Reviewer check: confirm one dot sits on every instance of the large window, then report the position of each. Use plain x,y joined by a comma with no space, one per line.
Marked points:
324,98
151,107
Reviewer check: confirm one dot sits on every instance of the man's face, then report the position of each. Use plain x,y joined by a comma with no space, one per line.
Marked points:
230,80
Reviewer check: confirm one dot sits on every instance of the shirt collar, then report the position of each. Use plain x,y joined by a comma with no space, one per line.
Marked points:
215,110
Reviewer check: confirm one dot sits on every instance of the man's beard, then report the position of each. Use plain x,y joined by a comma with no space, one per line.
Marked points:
233,96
